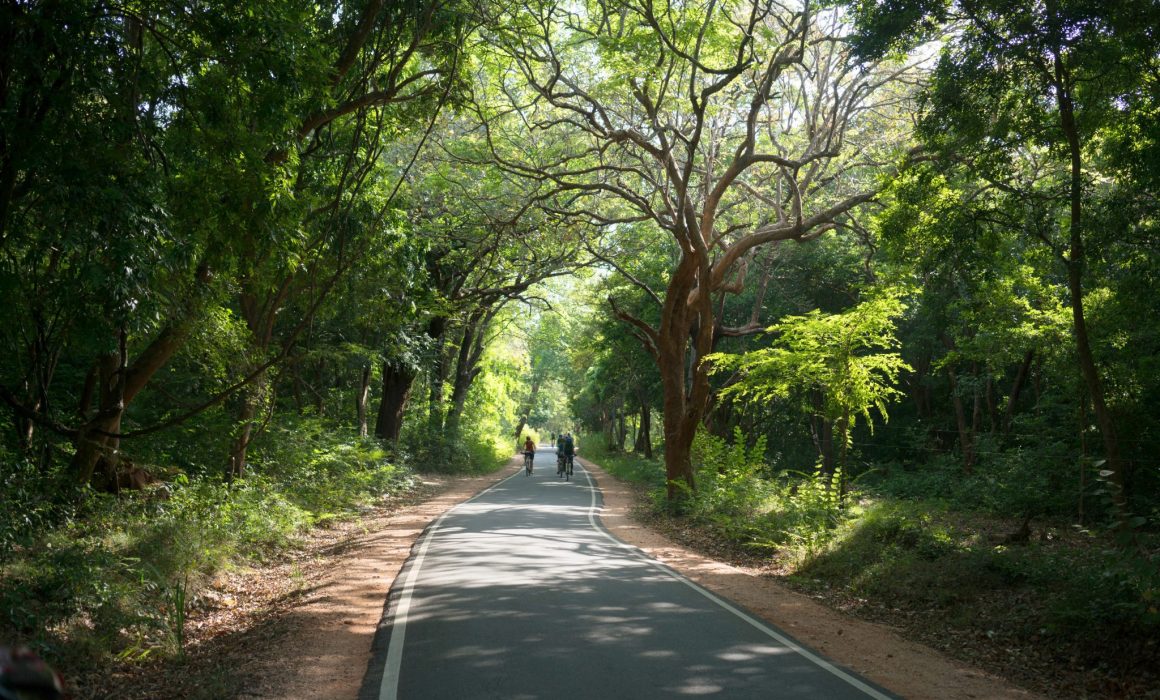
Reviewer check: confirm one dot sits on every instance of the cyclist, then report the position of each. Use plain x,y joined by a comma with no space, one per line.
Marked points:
529,453
569,452
560,459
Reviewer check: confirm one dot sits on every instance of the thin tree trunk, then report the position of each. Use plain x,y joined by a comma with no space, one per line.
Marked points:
526,408
236,468
1017,388
1083,456
622,433
992,421
298,384
844,450
826,436
646,430
822,432
319,384
976,401
364,394
436,330
259,311
1113,465
638,439
966,440
919,391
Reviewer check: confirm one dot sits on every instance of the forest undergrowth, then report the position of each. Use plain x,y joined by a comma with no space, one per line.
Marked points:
1064,610
104,581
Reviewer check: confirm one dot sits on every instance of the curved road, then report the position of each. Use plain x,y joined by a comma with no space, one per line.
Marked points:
519,593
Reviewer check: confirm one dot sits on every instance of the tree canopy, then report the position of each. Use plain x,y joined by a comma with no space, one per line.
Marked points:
433,227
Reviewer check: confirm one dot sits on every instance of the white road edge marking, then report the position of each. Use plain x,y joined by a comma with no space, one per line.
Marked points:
638,553
389,687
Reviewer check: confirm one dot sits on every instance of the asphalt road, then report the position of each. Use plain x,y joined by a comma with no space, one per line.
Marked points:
520,594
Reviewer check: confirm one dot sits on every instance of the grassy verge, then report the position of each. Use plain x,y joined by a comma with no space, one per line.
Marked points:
104,580
1051,605
628,466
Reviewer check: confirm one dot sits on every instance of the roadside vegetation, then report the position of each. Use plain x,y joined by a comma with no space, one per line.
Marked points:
101,579
894,306
1061,609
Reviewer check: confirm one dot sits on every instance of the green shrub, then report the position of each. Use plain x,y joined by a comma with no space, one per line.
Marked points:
31,500
729,485
470,452
105,578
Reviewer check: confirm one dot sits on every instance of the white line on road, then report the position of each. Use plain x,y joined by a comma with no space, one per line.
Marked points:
786,641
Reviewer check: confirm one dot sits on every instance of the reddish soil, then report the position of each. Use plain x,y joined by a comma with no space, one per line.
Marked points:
303,628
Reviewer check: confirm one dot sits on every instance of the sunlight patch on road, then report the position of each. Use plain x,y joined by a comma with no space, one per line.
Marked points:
698,686
750,652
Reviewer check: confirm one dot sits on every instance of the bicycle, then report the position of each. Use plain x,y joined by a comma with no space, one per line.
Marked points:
528,457
560,461
568,472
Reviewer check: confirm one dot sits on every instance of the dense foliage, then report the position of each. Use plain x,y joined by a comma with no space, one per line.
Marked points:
847,295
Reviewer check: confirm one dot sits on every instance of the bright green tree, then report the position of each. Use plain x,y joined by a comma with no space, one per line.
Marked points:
846,358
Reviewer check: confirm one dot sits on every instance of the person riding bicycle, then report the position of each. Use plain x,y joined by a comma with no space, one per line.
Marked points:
569,450
560,458
529,447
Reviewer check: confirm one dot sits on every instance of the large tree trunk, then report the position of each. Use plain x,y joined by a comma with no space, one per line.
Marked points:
682,413
467,365
116,387
91,442
684,381
397,382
